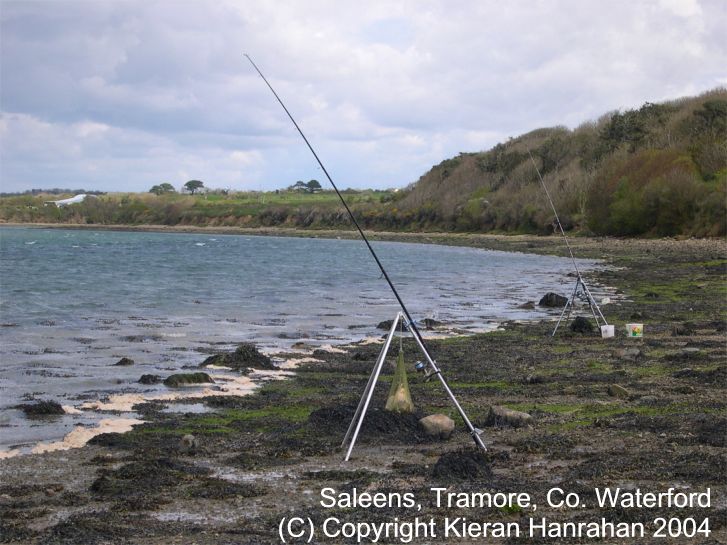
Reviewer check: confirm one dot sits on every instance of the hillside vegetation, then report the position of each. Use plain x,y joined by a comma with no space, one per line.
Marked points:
659,170
213,209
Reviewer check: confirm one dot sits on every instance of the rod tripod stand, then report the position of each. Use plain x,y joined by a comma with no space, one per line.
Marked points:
582,292
430,369
432,366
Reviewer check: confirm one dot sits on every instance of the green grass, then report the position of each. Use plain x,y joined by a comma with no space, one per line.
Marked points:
585,414
227,421
492,384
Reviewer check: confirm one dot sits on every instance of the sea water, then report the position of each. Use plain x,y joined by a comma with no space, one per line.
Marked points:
73,302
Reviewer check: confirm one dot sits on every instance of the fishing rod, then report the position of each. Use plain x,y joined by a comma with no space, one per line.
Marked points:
591,301
474,432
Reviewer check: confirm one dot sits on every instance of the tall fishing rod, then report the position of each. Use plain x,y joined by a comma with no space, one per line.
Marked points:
591,300
474,432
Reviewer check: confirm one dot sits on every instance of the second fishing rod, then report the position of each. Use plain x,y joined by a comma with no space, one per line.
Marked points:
474,432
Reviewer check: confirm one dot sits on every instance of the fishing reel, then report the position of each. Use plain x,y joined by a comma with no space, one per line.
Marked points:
422,367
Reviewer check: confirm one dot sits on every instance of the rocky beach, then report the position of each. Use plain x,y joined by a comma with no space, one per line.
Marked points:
574,412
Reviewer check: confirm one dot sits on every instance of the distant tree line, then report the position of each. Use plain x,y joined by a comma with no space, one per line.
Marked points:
54,191
312,186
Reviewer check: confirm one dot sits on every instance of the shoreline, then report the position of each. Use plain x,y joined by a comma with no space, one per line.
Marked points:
285,340
261,457
586,247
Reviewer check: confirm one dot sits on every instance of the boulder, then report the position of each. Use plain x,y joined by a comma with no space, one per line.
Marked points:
246,356
504,417
183,379
125,361
42,408
534,379
631,354
431,323
150,379
614,390
188,443
581,325
438,425
527,306
683,330
463,465
386,324
553,300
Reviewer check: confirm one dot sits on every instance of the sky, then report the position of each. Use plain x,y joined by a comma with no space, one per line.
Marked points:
120,95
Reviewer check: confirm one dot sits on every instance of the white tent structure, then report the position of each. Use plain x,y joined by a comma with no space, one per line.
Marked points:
65,202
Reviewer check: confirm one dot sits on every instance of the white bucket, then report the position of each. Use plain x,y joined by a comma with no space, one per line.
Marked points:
607,331
635,330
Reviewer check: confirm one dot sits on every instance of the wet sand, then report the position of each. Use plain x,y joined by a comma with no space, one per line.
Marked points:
259,458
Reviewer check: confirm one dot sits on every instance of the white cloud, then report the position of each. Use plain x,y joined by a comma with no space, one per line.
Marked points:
246,157
155,91
682,8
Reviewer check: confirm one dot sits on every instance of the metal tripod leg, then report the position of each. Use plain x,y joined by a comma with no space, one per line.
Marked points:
369,385
474,432
567,307
592,303
369,391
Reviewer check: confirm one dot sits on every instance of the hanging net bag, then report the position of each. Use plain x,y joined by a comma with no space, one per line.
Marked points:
399,400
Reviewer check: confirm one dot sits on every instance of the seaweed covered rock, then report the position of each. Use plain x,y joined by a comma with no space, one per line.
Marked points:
431,323
42,408
188,443
184,379
150,379
581,325
386,325
379,425
427,323
145,477
460,465
684,330
246,356
553,300
124,361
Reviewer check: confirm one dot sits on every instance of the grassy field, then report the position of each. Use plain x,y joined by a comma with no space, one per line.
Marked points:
242,209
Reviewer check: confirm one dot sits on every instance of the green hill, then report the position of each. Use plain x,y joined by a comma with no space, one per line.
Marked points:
657,170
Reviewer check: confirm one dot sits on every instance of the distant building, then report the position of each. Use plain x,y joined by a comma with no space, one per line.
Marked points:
66,202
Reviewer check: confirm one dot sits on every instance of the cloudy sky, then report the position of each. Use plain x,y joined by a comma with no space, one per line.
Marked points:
119,95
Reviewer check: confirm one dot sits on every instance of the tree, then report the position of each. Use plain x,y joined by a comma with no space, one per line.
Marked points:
193,185
162,188
313,186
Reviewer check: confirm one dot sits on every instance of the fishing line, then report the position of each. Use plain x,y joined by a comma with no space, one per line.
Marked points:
591,301
557,219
